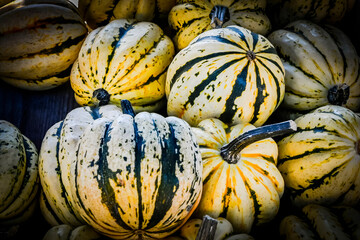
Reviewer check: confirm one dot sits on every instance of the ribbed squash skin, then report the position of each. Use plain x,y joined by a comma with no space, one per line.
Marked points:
320,163
282,12
127,177
319,222
39,42
231,74
245,193
316,59
127,59
100,13
189,18
19,178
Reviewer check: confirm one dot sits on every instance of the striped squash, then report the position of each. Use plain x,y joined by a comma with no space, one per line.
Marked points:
19,178
320,163
282,12
100,13
189,18
321,66
319,222
123,60
230,73
127,177
240,178
39,42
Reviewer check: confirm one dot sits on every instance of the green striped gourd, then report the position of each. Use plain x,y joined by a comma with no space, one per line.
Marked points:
230,73
189,18
67,232
100,13
240,179
39,42
19,178
319,222
129,177
123,60
320,163
282,12
321,66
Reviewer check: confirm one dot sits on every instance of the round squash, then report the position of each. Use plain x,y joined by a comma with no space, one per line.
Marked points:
19,178
240,178
39,42
129,177
100,13
282,12
230,73
319,222
320,163
189,18
321,66
123,60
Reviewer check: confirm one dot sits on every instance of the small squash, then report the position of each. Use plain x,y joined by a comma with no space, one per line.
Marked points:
124,59
319,222
39,42
240,177
129,177
230,73
189,18
19,178
320,163
321,66
100,13
67,232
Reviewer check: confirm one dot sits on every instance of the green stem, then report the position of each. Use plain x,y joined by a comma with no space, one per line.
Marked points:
339,94
231,151
101,97
127,108
219,15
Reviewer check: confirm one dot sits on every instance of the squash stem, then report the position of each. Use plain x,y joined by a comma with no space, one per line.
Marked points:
101,97
219,15
339,94
231,151
127,108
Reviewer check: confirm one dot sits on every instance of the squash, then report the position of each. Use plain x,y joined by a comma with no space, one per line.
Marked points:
319,222
321,66
282,12
190,229
189,18
67,232
240,179
123,60
39,42
230,73
19,178
129,177
100,13
320,163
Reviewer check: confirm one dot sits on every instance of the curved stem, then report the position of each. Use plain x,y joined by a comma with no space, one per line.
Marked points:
231,151
339,94
219,15
127,108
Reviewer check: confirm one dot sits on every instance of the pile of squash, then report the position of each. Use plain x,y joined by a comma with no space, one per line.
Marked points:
243,111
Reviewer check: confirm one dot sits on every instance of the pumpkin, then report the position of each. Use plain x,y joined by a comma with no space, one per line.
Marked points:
39,42
320,163
282,12
100,13
129,177
321,66
230,73
240,179
67,232
189,18
319,222
19,178
123,60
